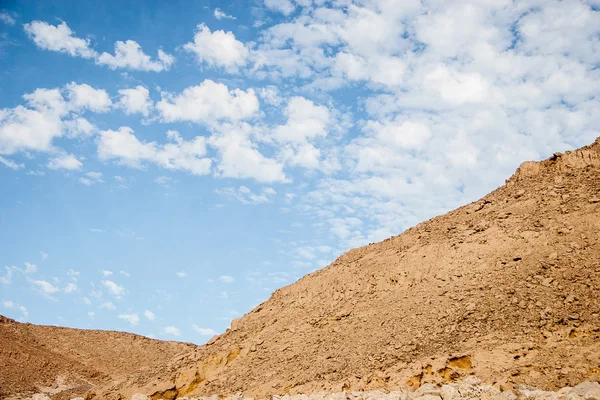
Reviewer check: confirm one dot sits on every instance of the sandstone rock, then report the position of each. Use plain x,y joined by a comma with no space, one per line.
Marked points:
40,396
139,396
428,389
585,387
449,392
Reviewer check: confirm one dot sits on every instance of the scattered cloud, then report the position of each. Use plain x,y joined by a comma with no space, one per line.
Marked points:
67,161
181,274
135,101
149,315
222,15
58,38
9,20
70,288
171,330
44,287
11,164
204,331
113,288
208,102
97,230
106,272
44,255
244,195
29,268
133,319
226,279
108,305
129,55
12,305
217,49
124,147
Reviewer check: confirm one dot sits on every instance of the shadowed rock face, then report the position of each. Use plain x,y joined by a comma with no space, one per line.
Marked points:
506,288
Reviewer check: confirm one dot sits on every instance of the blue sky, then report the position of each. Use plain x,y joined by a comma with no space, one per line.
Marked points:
165,166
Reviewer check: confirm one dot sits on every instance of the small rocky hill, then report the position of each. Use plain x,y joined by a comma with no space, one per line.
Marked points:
506,288
69,362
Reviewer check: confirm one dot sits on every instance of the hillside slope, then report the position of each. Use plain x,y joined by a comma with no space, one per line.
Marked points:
506,288
69,362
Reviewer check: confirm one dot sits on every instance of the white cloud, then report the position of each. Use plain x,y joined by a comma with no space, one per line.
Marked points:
204,331
44,287
136,100
133,319
86,181
149,315
11,164
85,97
78,127
29,268
44,255
8,20
7,278
244,195
87,301
91,314
181,274
129,54
171,330
240,157
106,272
115,289
58,38
208,102
67,161
163,180
70,288
12,305
125,274
286,7
178,154
96,230
108,305
219,48
222,15
226,279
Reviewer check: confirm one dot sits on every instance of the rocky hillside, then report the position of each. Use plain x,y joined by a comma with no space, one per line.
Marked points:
68,362
506,288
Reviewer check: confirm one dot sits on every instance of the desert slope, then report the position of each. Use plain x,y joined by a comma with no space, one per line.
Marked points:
506,288
72,361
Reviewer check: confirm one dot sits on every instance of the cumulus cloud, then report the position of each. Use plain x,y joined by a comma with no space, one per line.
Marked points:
178,154
113,288
286,7
106,272
135,100
85,97
204,331
67,161
149,315
29,268
129,55
181,274
58,38
218,48
208,102
133,319
44,287
239,156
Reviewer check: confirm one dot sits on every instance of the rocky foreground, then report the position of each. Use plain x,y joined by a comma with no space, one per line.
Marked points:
471,388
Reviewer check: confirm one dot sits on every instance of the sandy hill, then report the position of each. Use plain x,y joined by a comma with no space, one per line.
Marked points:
72,361
506,288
